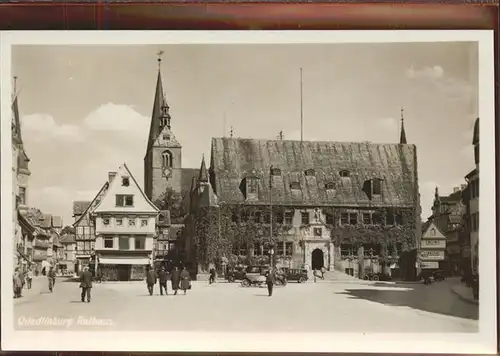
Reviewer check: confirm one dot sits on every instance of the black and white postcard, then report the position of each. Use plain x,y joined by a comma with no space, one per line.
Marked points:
248,191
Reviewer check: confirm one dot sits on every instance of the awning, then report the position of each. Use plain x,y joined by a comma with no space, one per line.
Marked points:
124,261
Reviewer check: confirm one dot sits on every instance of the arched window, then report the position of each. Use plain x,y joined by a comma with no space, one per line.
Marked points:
166,159
344,173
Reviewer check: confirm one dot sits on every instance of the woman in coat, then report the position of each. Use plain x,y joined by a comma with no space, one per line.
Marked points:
175,279
185,280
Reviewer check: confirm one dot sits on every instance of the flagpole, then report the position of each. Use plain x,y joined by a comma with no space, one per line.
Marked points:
301,109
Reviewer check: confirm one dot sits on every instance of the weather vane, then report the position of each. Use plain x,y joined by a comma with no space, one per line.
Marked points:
159,54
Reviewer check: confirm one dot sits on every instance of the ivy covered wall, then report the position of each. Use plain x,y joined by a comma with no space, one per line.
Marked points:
215,232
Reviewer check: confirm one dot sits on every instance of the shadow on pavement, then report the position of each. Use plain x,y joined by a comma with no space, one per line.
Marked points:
424,299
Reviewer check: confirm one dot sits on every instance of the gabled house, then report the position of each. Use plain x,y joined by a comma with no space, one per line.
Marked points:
85,230
329,203
432,247
125,226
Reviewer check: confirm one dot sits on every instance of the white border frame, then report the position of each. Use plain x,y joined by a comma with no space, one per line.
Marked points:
482,342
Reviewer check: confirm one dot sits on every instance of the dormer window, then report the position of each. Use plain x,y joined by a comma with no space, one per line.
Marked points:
309,173
376,186
275,171
373,187
344,173
166,137
295,186
125,181
330,186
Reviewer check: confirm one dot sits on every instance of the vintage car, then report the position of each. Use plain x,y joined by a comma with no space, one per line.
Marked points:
296,274
235,274
255,276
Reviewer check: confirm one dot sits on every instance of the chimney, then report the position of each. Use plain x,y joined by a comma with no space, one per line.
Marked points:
111,176
463,186
456,189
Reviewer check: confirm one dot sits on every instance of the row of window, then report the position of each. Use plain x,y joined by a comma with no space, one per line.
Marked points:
347,250
310,172
85,247
281,249
124,200
85,232
124,243
346,218
120,221
475,222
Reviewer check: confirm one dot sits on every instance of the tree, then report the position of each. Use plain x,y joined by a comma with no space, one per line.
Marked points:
68,230
171,201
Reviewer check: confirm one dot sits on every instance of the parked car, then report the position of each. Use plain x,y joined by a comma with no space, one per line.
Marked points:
255,276
438,276
296,274
235,274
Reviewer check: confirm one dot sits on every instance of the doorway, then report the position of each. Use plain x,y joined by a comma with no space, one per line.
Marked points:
124,272
317,259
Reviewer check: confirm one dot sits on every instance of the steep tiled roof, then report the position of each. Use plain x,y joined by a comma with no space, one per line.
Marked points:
475,136
79,207
67,239
34,218
187,175
235,159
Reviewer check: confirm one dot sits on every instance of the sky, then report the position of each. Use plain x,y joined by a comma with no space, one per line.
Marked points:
87,109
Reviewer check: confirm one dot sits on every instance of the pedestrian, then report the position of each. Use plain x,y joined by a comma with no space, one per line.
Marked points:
29,278
475,286
211,279
163,277
51,276
86,284
323,271
150,279
270,279
17,283
314,275
175,279
185,280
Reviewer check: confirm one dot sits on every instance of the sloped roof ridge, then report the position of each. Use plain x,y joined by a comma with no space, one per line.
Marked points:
92,202
307,141
140,189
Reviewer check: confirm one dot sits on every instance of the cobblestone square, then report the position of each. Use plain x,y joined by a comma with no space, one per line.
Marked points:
338,306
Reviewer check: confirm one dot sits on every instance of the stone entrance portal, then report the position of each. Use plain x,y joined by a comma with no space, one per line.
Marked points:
317,259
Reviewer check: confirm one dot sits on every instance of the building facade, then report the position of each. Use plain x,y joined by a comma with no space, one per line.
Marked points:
473,203
67,263
125,226
448,216
432,248
320,198
20,180
84,227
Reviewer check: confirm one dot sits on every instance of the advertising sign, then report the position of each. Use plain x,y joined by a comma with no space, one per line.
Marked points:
429,265
437,255
433,244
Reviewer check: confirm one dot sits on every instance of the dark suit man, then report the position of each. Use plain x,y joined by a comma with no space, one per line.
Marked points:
86,284
150,279
270,280
163,277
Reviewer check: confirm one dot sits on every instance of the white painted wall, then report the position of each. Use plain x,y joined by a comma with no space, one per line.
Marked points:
125,228
99,243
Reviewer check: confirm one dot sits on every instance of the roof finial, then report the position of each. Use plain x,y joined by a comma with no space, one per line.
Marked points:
280,135
231,132
402,135
15,84
159,54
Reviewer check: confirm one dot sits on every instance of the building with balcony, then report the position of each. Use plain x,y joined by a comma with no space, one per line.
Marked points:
125,226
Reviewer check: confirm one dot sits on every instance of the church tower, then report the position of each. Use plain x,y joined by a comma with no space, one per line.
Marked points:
163,159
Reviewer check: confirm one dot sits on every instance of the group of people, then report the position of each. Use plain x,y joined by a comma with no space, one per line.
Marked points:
22,279
178,279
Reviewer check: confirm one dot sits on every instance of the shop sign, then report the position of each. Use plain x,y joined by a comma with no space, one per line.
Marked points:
429,265
432,255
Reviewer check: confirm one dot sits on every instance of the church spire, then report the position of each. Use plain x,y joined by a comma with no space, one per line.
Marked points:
402,136
160,107
203,177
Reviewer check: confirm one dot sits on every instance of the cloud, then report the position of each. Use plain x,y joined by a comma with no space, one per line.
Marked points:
434,72
117,118
43,127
